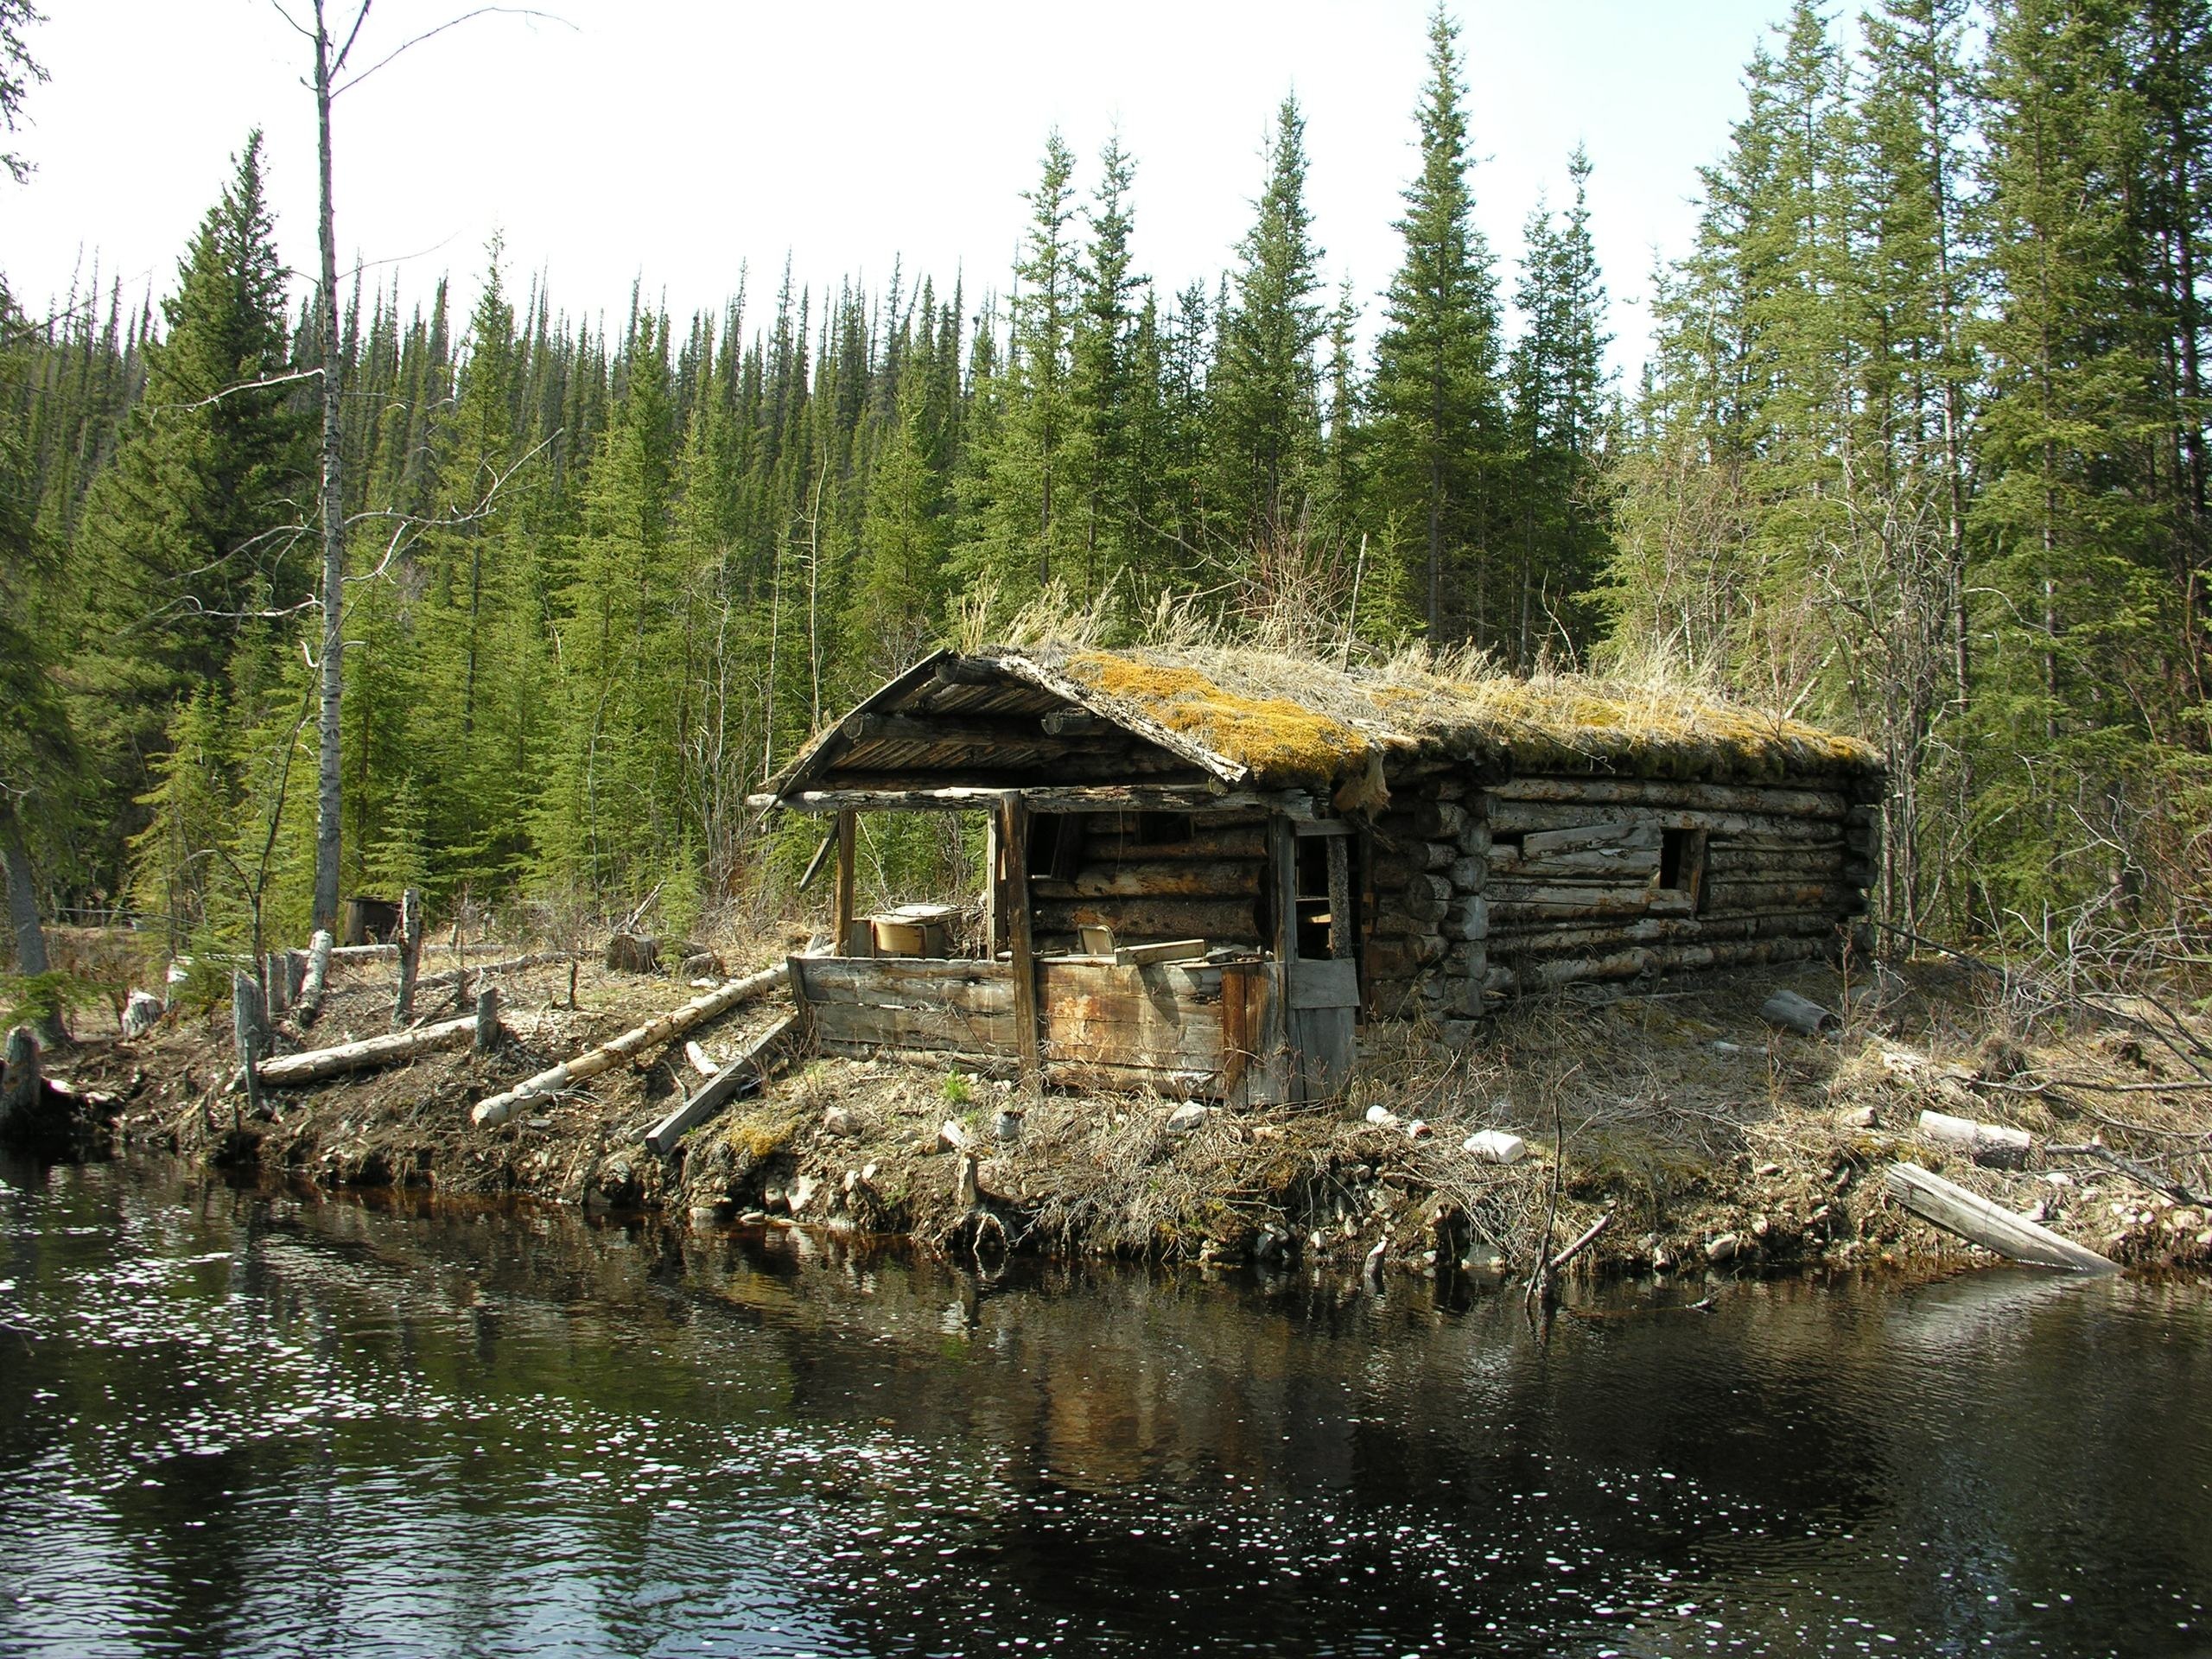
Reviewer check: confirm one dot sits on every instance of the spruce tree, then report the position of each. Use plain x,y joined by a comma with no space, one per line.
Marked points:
1436,434
1264,392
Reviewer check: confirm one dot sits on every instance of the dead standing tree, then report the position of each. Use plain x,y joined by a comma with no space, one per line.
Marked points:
333,51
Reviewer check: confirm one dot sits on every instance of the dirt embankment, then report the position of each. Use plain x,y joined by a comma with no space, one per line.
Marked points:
1711,1139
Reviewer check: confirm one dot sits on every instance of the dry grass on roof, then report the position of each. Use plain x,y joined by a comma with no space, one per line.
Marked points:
1298,719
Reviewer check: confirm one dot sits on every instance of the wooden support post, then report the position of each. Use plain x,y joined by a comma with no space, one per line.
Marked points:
488,1018
848,845
994,888
1013,834
1282,852
410,955
1340,934
276,981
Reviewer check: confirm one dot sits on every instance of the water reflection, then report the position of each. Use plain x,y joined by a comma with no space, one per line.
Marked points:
239,1422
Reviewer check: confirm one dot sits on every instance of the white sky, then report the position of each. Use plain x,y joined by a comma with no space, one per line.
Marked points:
674,139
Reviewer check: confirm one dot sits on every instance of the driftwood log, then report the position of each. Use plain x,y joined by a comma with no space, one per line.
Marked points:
288,1069
499,1108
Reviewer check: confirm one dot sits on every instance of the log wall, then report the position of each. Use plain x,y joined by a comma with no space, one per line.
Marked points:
1485,889
1151,876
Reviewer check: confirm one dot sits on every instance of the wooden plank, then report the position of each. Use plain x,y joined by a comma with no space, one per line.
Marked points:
994,888
1160,981
1138,955
1323,984
1283,857
1600,863
862,1025
1014,835
1343,940
1950,1206
1325,1046
746,1071
919,981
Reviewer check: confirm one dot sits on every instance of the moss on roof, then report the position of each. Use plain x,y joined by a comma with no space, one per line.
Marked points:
1299,722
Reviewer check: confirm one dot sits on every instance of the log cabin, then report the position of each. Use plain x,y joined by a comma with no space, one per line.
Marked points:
1206,869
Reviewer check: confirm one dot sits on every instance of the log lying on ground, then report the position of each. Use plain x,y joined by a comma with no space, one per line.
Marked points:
1978,1221
315,1064
1993,1144
499,1108
475,972
1798,1014
365,953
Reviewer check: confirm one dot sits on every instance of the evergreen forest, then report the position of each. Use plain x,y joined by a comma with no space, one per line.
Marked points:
1919,451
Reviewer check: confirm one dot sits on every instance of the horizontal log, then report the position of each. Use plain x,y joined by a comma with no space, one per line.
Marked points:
589,1064
892,981
1601,863
1189,878
1587,837
1233,841
1551,940
1523,817
1832,898
923,796
1468,918
1402,959
1660,791
1216,920
1529,975
288,1070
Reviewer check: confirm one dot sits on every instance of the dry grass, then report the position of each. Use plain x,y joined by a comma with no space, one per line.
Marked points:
1304,720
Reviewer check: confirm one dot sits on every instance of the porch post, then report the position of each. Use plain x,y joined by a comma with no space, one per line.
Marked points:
1014,835
848,836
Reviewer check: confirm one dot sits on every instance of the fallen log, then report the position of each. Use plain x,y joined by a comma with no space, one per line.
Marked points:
343,953
286,1070
499,1108
745,1073
1798,1014
1977,1220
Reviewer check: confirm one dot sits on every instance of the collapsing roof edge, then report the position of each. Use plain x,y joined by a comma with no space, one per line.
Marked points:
1270,720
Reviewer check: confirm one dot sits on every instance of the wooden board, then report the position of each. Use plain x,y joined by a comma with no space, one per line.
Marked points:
1969,1215
741,1076
1323,984
1163,1017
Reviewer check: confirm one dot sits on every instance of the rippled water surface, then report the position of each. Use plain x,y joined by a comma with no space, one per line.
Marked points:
247,1422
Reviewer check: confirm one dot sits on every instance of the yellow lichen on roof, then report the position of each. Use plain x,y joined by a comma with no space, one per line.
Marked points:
1281,742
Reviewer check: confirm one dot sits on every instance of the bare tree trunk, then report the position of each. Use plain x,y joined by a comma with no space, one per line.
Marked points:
329,795
23,899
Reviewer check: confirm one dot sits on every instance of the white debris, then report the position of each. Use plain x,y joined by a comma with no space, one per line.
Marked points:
1496,1146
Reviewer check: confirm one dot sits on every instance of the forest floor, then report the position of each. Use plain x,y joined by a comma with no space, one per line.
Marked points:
1714,1141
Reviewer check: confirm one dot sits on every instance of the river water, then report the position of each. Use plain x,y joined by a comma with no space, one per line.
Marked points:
241,1422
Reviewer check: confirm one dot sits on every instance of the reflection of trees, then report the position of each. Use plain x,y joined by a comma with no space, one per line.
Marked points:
419,1420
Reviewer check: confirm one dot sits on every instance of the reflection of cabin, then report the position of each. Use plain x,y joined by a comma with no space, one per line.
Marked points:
1204,867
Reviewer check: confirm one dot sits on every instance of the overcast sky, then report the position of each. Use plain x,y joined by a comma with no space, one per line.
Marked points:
675,141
